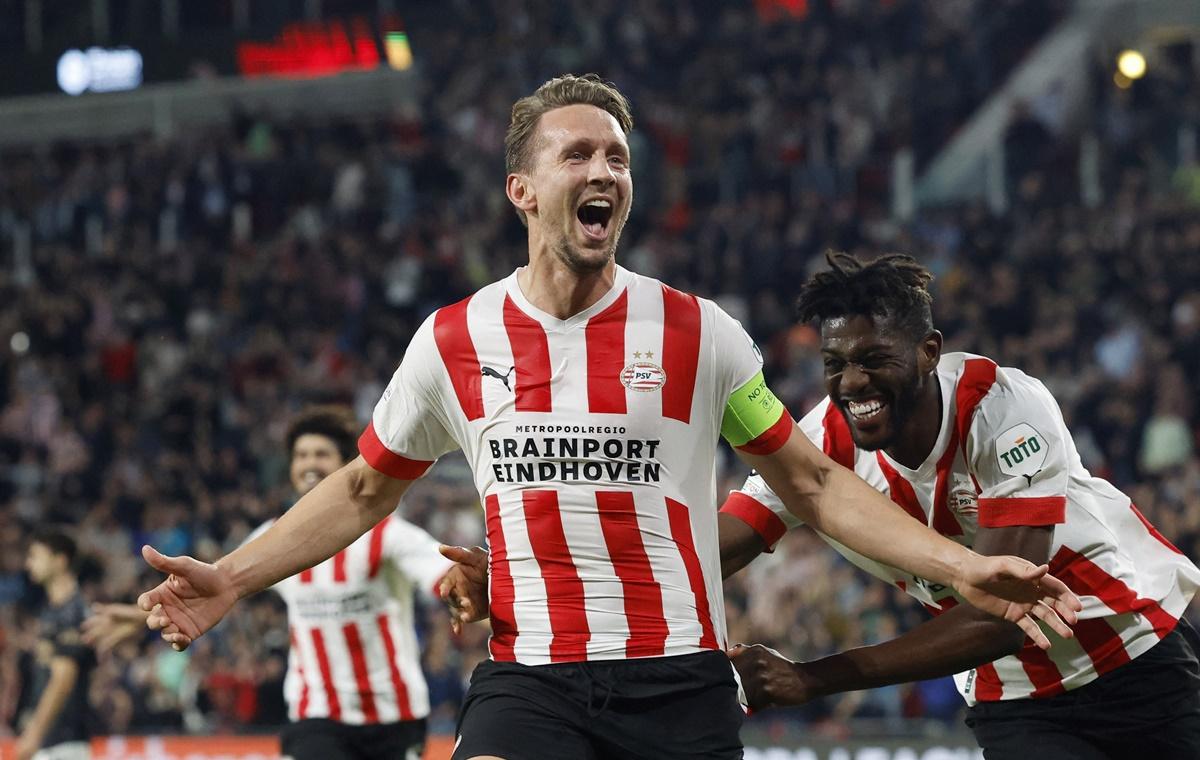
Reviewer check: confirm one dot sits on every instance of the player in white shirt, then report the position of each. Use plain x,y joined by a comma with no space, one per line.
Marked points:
354,686
981,454
588,400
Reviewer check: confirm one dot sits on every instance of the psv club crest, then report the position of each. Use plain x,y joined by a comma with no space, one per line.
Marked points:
643,376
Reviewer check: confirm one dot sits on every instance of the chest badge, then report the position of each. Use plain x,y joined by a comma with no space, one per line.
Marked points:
643,376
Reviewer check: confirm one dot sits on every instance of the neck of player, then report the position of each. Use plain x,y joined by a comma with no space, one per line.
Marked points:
60,588
552,286
915,440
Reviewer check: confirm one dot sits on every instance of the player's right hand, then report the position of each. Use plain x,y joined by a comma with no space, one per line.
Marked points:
112,624
464,587
193,598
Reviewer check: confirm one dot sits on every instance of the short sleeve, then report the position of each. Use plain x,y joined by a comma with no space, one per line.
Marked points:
758,506
1019,450
754,420
415,554
408,431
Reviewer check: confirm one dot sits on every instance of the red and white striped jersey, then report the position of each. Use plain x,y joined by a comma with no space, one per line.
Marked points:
354,656
592,441
1004,457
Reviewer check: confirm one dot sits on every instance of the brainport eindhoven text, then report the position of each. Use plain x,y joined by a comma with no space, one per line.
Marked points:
618,460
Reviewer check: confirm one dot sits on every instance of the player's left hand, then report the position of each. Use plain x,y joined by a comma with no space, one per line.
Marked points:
1020,592
464,587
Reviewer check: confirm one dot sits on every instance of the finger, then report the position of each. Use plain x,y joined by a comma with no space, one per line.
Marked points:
455,553
1034,632
456,626
1046,614
147,600
1054,587
170,565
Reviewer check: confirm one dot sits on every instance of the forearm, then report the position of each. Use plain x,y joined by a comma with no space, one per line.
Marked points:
739,544
326,520
838,503
958,640
54,696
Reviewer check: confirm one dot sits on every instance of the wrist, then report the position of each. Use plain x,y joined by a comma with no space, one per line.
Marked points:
234,578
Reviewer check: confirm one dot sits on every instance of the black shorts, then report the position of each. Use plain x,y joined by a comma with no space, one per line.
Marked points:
1148,708
657,708
323,739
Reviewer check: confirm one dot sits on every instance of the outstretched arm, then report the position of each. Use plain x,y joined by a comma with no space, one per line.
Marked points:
196,595
113,624
962,638
839,504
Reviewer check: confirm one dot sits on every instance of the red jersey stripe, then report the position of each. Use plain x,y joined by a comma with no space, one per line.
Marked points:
944,521
531,359
375,548
458,354
1086,577
1102,644
387,461
681,533
1041,670
339,567
773,438
988,687
643,596
564,591
389,646
358,660
1153,530
302,709
978,377
306,575
680,352
335,706
900,489
838,444
501,591
764,522
605,336
1018,511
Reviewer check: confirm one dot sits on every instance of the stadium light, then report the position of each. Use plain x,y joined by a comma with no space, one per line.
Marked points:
1131,64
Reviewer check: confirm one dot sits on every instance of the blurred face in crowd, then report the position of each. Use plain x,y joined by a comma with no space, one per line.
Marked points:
314,457
42,564
875,375
581,184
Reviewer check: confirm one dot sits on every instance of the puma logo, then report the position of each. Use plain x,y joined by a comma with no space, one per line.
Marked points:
489,372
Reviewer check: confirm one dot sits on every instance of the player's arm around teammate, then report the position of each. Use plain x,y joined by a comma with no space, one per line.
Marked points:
836,502
196,595
957,640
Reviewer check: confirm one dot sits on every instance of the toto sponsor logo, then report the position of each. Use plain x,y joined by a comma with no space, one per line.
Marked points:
643,376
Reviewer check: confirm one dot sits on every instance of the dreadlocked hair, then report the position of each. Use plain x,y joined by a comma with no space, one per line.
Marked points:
892,287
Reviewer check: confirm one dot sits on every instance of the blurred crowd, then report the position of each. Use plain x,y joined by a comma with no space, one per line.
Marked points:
166,305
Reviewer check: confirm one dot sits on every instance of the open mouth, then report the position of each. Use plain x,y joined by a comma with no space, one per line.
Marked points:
310,478
594,216
865,410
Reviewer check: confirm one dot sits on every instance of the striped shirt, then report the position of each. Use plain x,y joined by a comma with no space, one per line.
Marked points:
354,656
1004,457
592,440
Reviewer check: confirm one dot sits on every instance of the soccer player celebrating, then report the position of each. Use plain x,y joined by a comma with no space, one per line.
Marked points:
354,685
981,454
589,400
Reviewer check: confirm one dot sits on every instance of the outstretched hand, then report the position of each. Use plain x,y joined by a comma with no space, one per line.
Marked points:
112,624
193,598
464,586
1020,592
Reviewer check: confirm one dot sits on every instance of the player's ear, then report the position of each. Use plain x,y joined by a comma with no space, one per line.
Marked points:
521,192
929,352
